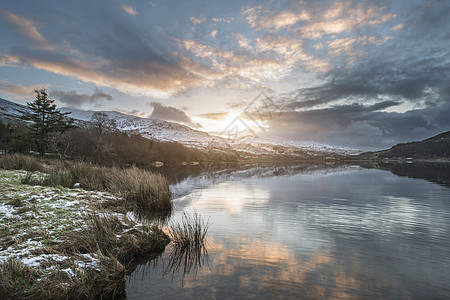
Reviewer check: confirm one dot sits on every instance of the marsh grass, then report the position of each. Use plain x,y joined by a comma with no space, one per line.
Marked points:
20,162
140,188
190,234
110,236
58,175
27,179
144,189
20,281
185,261
89,176
189,245
103,232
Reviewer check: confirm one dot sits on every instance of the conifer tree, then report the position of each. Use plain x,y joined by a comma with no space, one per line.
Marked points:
45,120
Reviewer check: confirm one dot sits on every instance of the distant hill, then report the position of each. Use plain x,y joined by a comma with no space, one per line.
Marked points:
437,147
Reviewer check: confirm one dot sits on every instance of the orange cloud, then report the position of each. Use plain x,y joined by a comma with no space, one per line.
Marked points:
197,21
11,88
215,116
129,10
272,58
342,17
153,79
260,18
352,46
28,29
222,20
314,21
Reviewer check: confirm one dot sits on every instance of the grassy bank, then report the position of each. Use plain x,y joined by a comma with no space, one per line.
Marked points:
139,188
61,243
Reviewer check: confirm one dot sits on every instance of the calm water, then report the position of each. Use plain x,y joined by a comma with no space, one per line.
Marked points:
345,233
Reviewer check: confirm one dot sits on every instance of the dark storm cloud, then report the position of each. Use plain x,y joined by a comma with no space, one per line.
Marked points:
170,113
73,99
412,65
359,126
409,79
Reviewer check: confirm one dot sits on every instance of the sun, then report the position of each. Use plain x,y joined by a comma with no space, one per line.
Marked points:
235,122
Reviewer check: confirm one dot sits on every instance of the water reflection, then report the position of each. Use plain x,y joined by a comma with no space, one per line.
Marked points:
150,217
434,172
340,233
185,261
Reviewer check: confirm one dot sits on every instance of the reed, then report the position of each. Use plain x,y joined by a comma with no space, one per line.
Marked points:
190,234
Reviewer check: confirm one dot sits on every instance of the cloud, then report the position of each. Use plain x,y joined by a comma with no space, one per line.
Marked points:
272,58
397,27
129,10
15,89
197,21
225,20
215,116
121,55
315,20
170,113
261,18
359,126
27,28
73,99
134,112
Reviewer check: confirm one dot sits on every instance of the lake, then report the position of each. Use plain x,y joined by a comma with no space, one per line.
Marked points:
310,232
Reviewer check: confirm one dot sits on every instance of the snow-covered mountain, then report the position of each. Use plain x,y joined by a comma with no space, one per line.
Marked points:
165,131
9,108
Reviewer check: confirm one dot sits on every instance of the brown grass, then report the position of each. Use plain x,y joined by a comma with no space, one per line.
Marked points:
20,162
19,281
108,235
140,188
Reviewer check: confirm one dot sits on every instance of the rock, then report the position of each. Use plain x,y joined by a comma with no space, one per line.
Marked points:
77,185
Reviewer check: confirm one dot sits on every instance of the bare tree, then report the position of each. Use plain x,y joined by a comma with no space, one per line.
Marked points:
103,123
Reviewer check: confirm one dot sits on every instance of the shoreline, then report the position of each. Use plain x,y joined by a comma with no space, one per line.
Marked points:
62,243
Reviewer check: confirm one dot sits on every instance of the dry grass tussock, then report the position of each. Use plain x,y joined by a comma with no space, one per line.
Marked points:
109,235
20,162
140,188
20,281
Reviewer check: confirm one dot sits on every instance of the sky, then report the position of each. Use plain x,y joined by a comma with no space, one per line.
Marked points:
360,74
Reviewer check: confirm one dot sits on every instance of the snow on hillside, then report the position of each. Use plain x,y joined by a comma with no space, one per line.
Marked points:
165,131
8,108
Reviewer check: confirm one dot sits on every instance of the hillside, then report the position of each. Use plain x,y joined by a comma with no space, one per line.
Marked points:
437,147
164,131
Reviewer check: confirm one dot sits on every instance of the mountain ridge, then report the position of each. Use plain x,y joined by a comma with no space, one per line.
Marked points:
436,147
166,131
